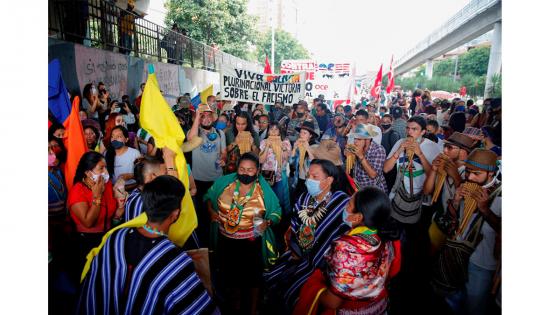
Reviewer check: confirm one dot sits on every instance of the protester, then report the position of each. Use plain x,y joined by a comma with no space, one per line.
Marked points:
316,220
57,194
275,164
207,161
472,296
301,156
492,140
337,131
120,158
263,127
236,141
360,263
369,156
126,275
450,164
243,207
322,116
301,115
93,136
399,124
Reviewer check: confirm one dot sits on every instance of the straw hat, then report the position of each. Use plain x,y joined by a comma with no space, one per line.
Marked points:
206,108
329,150
482,160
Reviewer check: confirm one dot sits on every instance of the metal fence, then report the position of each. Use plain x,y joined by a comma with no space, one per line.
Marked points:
101,24
468,12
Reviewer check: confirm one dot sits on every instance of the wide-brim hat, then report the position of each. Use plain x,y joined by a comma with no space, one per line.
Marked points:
462,141
206,108
363,131
482,160
329,150
307,125
192,144
474,133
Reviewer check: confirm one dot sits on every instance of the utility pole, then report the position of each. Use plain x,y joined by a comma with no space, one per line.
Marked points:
456,64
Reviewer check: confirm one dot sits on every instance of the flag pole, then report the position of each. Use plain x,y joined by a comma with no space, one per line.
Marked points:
272,26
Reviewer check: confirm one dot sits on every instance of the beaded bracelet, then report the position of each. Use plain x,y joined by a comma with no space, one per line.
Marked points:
96,202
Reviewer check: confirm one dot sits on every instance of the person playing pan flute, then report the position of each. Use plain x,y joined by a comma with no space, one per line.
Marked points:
447,174
478,198
302,156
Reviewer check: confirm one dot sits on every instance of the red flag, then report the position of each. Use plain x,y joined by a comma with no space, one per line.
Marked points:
376,89
267,68
75,142
390,77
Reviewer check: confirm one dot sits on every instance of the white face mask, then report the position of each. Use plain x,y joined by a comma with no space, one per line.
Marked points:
95,177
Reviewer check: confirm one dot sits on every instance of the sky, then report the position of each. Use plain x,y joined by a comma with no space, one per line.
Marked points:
366,32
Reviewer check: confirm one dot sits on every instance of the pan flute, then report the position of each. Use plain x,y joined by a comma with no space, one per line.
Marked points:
276,145
302,151
244,141
440,177
469,207
350,159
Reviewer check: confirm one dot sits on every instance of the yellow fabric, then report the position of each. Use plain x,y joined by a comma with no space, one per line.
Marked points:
136,222
160,122
437,237
314,304
358,229
205,93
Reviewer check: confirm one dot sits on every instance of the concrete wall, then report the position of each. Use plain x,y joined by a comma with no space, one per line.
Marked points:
123,74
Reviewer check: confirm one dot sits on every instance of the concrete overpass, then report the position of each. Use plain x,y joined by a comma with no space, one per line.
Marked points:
476,18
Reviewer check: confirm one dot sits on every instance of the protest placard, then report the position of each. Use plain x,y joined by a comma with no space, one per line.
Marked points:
247,86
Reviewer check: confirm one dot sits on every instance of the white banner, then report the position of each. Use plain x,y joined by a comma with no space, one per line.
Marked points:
332,79
247,86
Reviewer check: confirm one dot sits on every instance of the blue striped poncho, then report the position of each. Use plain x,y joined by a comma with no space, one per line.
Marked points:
164,281
288,275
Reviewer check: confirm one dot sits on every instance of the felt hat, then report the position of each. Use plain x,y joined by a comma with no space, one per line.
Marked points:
329,150
482,160
307,125
363,131
462,141
188,146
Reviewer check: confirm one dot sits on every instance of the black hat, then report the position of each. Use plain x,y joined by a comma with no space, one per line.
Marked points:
307,125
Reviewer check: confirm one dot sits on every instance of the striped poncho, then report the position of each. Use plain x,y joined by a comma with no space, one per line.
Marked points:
163,281
288,275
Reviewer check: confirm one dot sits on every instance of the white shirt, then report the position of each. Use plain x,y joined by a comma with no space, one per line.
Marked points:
430,150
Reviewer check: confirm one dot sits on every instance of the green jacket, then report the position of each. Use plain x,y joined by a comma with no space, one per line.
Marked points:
273,212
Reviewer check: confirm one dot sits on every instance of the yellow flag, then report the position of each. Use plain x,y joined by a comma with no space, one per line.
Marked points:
160,122
207,92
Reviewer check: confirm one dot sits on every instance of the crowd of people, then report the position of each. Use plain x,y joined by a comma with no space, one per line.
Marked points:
376,207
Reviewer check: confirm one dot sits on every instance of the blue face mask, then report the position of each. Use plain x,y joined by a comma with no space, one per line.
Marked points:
117,144
220,125
345,218
313,187
212,136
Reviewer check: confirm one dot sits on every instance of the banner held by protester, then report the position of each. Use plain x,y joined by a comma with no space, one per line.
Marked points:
247,86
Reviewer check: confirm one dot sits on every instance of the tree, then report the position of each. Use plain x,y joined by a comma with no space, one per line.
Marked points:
286,47
225,23
475,61
444,67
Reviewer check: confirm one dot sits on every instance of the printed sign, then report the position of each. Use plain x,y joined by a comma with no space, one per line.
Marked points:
333,80
247,86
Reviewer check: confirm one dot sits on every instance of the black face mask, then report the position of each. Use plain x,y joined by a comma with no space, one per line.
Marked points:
300,114
206,127
246,179
385,126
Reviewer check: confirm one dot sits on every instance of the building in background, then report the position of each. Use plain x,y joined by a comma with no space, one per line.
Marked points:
281,13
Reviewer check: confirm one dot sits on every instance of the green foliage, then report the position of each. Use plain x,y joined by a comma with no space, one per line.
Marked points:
444,67
475,61
496,88
225,23
286,47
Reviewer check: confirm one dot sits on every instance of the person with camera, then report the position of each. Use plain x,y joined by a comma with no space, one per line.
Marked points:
123,109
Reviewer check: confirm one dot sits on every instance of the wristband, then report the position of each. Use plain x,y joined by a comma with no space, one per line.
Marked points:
171,169
96,202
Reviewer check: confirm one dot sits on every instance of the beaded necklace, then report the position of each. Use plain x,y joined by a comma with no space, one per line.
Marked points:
310,217
151,230
233,216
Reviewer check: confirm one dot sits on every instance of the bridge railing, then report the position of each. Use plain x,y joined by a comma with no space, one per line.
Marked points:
101,24
465,14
